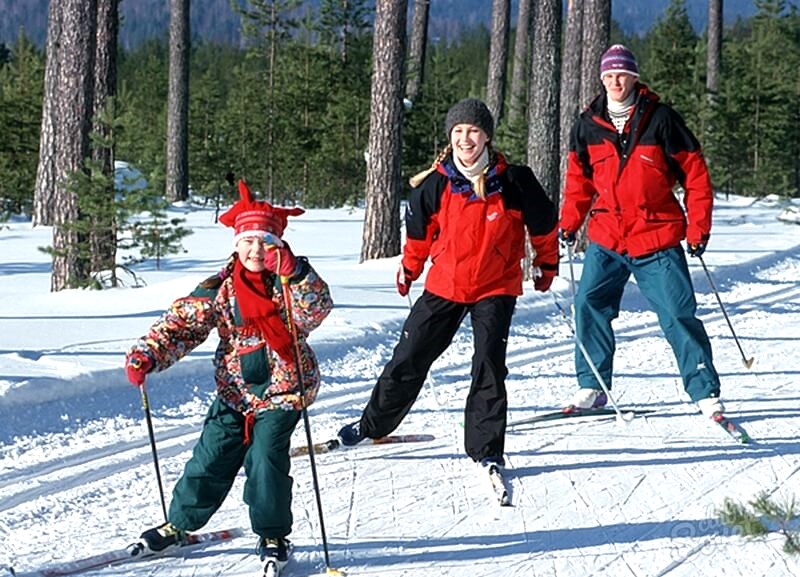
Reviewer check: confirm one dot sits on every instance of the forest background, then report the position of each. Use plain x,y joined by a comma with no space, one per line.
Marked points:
301,96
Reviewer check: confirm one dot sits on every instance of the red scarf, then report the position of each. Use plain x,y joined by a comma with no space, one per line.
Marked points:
259,311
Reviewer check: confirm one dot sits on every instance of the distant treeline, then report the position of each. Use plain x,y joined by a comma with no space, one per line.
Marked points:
215,21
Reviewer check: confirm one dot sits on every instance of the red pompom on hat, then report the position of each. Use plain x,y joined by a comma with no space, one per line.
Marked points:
251,217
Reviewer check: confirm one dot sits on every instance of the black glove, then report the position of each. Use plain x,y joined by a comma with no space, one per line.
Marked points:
567,237
696,249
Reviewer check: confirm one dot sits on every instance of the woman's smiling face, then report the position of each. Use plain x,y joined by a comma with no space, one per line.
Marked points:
468,142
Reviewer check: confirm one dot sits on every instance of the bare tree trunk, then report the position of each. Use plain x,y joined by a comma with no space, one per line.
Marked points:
570,80
178,104
272,57
543,104
416,50
522,42
714,62
46,169
73,110
381,237
103,236
498,58
596,34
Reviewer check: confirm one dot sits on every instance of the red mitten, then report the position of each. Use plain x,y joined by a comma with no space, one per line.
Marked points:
403,280
542,279
137,365
280,260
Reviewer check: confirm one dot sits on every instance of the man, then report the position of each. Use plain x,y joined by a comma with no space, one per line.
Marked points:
627,152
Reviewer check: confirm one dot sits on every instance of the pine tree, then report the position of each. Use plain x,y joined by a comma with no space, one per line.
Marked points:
210,156
21,77
773,98
762,517
381,233
152,232
178,102
498,58
543,101
270,24
672,67
243,120
142,105
338,168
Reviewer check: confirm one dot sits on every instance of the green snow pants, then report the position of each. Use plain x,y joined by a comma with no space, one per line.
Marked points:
216,460
663,279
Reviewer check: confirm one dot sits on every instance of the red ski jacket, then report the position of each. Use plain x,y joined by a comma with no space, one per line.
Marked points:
625,182
476,246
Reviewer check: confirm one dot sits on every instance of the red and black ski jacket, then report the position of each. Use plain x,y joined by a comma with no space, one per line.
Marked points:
476,246
625,182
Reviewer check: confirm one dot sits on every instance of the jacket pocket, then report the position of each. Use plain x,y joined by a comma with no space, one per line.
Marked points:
663,216
255,367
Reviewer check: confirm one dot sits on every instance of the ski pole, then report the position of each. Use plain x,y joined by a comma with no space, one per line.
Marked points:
571,273
287,298
149,420
627,417
621,417
747,362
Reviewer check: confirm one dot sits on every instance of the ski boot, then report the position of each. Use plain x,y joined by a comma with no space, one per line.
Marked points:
274,554
351,435
159,540
711,406
586,399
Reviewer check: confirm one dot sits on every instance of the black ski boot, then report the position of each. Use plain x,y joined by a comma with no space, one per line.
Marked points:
274,553
161,538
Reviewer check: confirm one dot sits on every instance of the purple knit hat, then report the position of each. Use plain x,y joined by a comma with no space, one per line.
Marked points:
618,59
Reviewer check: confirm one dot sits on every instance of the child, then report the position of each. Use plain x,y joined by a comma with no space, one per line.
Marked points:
258,404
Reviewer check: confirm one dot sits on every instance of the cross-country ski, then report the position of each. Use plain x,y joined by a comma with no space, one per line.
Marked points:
334,444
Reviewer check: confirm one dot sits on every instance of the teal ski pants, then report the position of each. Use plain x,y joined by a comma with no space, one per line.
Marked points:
663,279
216,460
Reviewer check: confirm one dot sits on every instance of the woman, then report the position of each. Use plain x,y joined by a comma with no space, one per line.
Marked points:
468,213
258,404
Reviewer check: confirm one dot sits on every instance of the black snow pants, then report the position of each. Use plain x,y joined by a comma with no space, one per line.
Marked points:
427,332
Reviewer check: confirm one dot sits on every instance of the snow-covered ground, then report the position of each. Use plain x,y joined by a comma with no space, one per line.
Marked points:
590,498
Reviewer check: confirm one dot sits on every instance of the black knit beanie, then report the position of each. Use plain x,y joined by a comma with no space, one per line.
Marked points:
469,111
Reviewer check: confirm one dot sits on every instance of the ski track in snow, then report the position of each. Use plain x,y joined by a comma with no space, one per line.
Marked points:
589,497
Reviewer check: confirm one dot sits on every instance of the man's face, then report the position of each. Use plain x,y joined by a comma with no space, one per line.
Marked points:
618,85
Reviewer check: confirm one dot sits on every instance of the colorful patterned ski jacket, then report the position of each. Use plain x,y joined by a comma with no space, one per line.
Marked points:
625,182
250,377
476,245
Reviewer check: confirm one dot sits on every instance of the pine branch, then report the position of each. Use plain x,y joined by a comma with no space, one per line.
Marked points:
765,513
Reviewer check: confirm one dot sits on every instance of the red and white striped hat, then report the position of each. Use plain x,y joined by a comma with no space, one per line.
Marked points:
251,217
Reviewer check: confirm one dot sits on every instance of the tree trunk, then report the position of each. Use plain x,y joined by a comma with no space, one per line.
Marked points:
73,110
596,34
714,62
46,169
522,42
543,104
178,104
103,236
498,58
272,57
381,236
570,81
416,50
